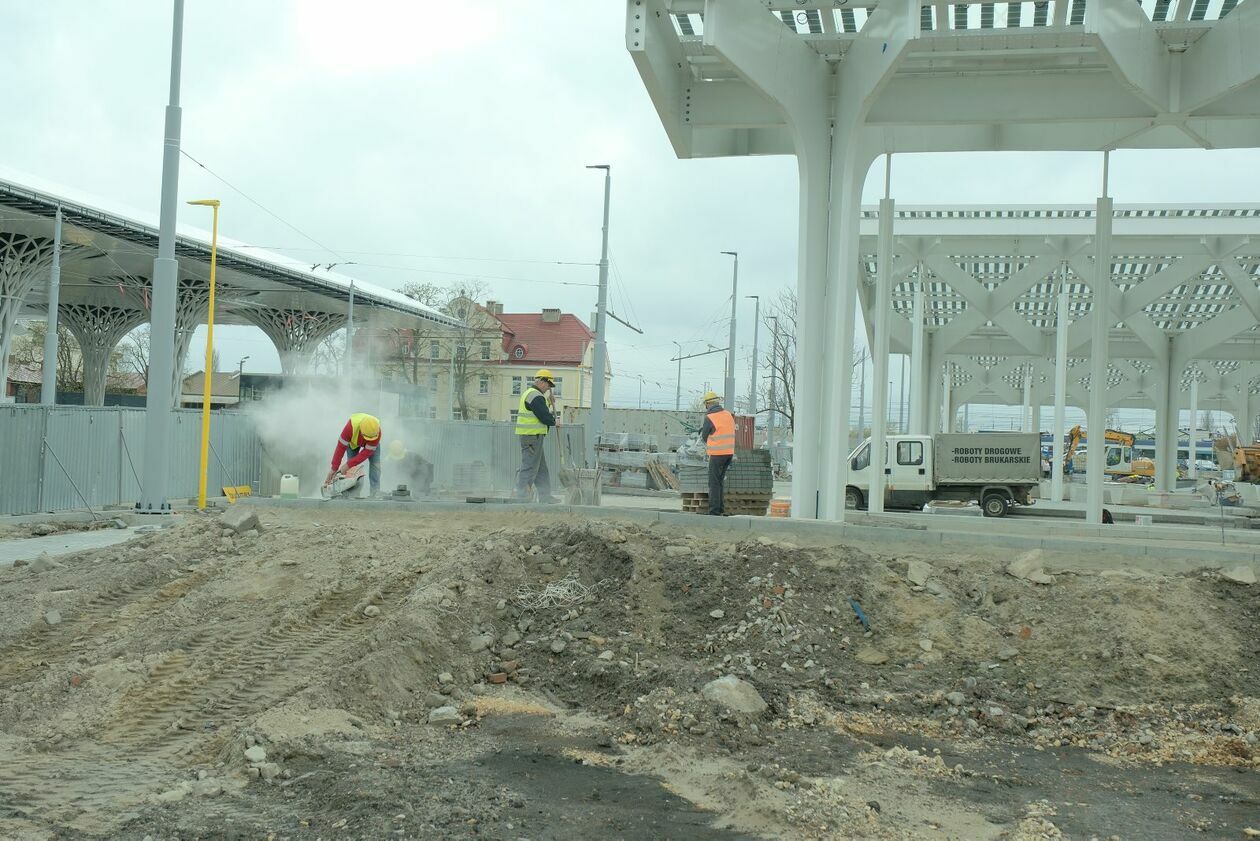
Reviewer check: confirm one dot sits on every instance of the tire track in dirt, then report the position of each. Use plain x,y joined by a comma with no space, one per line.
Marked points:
101,613
218,679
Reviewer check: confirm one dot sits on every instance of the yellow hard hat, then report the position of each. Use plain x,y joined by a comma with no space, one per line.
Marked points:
711,397
396,450
370,427
544,374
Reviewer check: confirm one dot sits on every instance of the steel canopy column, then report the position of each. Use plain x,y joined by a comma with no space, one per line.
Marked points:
1099,357
814,166
947,399
158,417
48,390
1027,423
879,354
1166,412
918,371
1060,388
1192,467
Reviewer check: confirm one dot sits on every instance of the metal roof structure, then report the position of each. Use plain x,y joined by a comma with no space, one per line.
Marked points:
108,254
1187,276
838,83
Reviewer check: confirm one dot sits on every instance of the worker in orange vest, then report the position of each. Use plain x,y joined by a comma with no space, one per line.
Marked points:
718,434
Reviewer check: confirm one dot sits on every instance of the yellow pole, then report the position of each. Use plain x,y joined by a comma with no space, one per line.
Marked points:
206,373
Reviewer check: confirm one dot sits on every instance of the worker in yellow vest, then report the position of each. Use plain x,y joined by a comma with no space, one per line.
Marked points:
534,418
718,433
361,438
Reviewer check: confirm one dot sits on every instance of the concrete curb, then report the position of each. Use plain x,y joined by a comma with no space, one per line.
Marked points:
1164,553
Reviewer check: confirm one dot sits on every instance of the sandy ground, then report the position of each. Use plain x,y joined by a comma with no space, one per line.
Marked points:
512,675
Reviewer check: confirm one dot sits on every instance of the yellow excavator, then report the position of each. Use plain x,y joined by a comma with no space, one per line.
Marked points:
1118,448
1247,463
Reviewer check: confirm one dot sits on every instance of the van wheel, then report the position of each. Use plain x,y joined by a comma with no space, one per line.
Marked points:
995,505
853,499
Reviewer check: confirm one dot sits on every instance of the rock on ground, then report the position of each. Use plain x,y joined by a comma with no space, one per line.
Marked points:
1241,574
872,657
738,695
444,715
1028,567
53,617
239,519
918,572
256,754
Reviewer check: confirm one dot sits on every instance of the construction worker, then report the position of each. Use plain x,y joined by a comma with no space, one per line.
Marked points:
409,468
718,434
361,438
534,418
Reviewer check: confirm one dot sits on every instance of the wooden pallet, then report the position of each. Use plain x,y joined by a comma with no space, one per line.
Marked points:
753,505
662,476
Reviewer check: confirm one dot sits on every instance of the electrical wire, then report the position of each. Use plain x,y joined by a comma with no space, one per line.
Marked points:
260,206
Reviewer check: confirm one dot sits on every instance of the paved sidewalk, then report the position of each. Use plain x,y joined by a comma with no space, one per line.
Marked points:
30,548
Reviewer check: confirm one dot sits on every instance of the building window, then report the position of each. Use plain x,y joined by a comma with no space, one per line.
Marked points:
483,414
457,414
516,385
433,382
555,391
433,412
512,415
434,349
485,350
519,353
483,386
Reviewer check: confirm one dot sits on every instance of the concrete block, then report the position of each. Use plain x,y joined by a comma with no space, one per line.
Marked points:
239,519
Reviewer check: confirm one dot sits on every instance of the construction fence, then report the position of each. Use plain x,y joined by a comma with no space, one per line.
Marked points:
58,458
64,458
468,457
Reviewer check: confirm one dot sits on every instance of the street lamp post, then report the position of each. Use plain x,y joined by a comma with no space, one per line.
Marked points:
678,387
752,387
601,335
729,396
207,374
157,411
774,374
240,368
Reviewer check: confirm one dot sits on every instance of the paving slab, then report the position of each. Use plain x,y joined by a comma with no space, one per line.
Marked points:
30,548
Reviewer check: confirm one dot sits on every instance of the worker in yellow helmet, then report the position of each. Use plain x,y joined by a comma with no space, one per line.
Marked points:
718,433
361,438
534,418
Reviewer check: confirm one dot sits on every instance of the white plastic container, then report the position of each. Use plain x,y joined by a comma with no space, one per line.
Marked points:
288,486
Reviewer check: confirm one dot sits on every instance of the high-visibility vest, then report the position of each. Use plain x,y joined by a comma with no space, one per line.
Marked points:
722,439
527,423
356,434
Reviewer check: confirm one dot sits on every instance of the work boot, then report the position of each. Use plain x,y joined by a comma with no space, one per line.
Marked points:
549,500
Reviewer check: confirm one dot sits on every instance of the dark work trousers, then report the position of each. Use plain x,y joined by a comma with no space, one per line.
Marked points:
717,474
374,467
533,468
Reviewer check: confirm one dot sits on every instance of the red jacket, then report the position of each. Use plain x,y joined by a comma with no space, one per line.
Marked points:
367,446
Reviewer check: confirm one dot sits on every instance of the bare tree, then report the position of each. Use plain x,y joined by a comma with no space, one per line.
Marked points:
327,356
28,350
460,347
779,359
133,352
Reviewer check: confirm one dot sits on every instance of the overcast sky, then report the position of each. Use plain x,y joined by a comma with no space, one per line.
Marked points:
460,131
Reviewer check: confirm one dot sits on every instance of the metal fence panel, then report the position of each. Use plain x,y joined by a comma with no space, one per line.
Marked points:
22,434
81,464
102,450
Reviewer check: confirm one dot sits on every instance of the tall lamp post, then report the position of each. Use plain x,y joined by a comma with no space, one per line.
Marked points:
157,411
678,387
774,375
207,375
752,387
729,396
601,334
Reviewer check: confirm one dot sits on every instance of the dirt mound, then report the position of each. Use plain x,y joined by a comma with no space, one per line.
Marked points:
328,641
